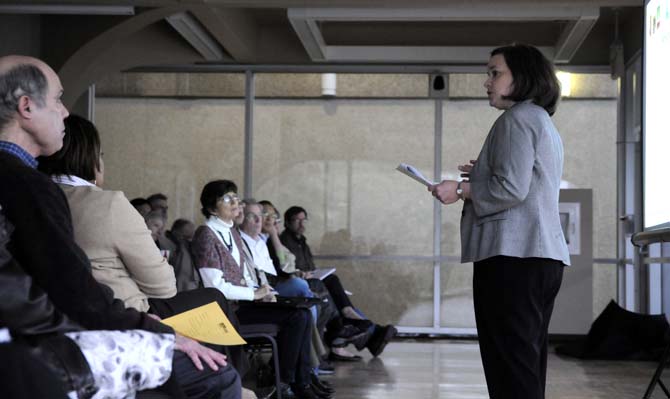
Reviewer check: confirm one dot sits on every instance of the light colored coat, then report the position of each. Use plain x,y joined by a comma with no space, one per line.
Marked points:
117,241
514,189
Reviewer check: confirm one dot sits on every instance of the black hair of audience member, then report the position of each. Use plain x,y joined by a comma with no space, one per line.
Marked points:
82,159
212,192
533,76
179,224
157,196
266,203
179,227
293,211
139,201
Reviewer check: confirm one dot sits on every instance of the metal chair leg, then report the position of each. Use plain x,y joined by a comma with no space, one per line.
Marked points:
275,358
657,375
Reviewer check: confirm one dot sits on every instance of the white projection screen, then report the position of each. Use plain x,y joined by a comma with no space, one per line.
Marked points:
656,114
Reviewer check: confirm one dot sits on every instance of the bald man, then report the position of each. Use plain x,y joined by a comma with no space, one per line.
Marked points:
31,125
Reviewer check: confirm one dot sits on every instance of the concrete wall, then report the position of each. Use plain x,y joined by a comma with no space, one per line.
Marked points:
337,157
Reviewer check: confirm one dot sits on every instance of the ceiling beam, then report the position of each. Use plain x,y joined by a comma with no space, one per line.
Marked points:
233,28
452,54
468,12
197,36
305,22
311,38
573,36
66,9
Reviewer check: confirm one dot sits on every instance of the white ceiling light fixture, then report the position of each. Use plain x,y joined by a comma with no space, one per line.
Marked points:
566,83
328,84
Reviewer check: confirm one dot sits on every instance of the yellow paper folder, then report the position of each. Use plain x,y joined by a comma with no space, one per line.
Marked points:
206,323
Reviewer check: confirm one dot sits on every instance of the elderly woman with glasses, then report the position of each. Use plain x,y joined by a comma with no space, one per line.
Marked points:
218,253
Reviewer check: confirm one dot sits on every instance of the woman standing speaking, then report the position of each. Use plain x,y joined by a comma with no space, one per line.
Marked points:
510,225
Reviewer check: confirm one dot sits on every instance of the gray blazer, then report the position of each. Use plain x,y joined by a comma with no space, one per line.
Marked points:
514,189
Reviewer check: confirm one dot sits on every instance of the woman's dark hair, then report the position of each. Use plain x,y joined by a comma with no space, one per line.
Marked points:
293,211
533,76
212,192
80,155
267,203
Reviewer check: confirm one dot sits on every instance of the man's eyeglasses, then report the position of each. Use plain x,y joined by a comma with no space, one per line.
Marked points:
252,217
265,215
271,215
298,220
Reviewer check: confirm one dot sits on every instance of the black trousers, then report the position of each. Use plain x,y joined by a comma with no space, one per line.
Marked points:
187,300
514,299
336,290
224,383
293,340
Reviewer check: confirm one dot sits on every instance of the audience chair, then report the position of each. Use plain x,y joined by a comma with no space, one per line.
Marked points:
258,337
656,379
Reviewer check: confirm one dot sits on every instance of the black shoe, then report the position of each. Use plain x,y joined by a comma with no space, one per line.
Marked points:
326,366
339,358
380,338
320,392
365,327
306,392
266,392
321,384
361,325
359,339
286,392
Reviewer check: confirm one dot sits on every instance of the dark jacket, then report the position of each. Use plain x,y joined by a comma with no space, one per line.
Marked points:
298,246
24,308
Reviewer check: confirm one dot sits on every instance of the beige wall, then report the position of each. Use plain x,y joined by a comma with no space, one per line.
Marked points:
337,158
170,146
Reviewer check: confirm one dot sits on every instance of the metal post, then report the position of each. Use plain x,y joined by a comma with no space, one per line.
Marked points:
249,94
437,218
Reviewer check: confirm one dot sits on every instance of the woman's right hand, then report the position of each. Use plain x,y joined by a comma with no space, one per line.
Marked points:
199,353
269,227
262,292
466,169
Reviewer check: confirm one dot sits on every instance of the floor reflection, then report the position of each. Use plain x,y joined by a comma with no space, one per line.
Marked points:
425,369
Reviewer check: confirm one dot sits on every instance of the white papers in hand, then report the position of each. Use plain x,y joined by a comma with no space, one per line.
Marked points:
267,267
322,273
414,173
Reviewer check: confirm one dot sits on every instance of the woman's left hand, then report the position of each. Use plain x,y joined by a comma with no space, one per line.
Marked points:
445,191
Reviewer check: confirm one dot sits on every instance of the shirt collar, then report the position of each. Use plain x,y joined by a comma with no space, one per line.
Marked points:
247,237
75,181
217,224
19,152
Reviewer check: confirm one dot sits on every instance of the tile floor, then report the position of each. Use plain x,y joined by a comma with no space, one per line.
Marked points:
445,369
